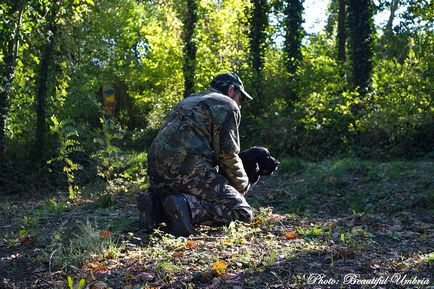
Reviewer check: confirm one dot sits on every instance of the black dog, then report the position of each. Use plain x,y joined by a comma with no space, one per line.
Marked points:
257,161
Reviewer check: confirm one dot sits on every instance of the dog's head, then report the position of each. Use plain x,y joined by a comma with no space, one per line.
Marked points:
257,161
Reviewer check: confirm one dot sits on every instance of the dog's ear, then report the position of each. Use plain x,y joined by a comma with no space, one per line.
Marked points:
254,176
250,164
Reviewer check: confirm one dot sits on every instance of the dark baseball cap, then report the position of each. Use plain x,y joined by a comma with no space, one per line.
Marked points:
229,78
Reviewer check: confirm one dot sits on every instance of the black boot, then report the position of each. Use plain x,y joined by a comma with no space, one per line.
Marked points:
150,210
178,215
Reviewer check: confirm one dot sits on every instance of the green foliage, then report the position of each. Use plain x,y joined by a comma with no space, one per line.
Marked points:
222,42
428,258
27,226
121,171
68,145
400,120
52,207
79,285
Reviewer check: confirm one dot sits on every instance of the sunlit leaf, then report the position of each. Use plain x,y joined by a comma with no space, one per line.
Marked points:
291,235
97,267
190,244
219,267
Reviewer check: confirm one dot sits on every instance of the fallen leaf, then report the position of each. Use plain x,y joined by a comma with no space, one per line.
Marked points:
177,254
219,267
78,201
26,240
227,241
105,233
97,266
291,235
190,244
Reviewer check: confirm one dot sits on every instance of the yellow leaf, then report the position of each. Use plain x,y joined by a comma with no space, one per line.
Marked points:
190,244
219,266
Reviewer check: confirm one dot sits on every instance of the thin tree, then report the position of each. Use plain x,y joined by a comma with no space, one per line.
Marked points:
9,41
342,30
394,5
390,44
360,23
42,85
258,22
294,34
190,47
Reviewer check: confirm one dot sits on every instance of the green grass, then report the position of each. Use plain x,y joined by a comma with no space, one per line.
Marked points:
349,185
71,248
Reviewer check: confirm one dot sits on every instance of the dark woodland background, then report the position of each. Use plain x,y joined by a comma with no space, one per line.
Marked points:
352,90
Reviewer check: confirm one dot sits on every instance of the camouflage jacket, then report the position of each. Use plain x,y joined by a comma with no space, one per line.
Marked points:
199,134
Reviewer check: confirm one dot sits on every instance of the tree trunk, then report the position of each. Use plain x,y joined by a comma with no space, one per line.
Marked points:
8,72
190,47
292,45
360,22
258,25
43,88
342,31
393,7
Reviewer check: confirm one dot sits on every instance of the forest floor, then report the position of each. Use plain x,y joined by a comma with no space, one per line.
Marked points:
316,225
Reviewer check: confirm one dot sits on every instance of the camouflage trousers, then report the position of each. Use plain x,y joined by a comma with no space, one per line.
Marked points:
212,200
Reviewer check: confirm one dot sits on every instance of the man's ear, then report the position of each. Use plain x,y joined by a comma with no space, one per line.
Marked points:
231,90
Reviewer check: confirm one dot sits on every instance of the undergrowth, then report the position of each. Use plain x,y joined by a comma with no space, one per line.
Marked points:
350,185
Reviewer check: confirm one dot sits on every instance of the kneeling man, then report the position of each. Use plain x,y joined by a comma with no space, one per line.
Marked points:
195,173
